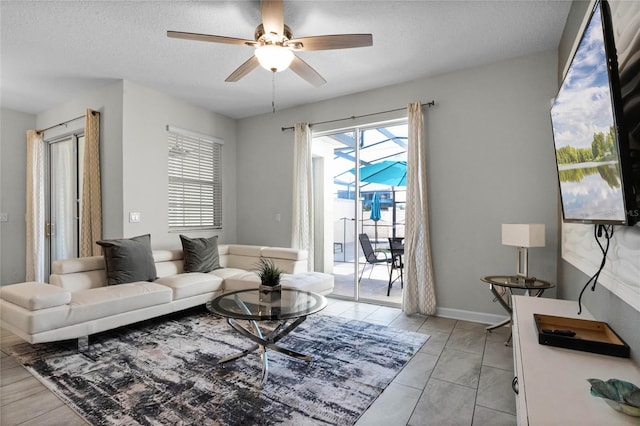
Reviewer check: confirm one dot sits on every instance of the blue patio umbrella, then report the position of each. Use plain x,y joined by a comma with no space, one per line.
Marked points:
375,208
375,213
386,172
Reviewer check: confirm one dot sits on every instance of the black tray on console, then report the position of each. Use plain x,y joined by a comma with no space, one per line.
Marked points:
590,336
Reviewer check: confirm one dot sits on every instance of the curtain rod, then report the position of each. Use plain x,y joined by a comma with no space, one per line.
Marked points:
64,123
353,117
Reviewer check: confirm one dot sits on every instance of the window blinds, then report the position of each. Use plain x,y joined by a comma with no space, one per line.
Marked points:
195,180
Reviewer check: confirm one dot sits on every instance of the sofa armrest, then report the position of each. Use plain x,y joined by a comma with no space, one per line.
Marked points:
34,296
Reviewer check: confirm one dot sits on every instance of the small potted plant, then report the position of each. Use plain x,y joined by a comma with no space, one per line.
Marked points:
270,276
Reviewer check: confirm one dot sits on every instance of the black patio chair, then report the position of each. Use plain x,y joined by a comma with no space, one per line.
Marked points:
371,255
396,247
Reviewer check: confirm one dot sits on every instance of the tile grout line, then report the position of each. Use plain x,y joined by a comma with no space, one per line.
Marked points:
430,374
475,401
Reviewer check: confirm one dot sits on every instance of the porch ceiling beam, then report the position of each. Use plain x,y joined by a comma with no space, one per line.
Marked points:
400,141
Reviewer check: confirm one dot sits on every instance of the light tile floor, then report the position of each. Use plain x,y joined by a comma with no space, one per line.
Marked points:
461,376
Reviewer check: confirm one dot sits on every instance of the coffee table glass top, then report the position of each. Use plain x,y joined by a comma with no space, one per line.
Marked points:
253,304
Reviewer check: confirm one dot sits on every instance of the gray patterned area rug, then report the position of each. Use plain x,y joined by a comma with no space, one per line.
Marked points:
165,372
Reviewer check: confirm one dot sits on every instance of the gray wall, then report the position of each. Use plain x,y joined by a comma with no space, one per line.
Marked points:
134,164
602,303
13,181
144,162
134,156
490,161
108,101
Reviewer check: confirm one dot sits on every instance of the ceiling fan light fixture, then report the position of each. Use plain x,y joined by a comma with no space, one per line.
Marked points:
273,57
275,46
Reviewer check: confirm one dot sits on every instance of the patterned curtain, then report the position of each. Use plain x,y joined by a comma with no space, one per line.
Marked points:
91,208
419,294
35,260
302,219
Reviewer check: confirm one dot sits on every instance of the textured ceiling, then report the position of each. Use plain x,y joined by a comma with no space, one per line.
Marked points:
56,50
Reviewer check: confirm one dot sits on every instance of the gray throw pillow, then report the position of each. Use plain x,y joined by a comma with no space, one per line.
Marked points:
128,260
200,254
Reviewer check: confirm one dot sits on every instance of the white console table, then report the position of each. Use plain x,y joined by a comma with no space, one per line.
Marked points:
552,382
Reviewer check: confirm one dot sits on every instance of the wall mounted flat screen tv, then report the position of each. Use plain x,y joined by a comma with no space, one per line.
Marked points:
591,141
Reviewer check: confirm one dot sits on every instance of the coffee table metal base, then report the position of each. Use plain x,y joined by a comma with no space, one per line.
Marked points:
265,342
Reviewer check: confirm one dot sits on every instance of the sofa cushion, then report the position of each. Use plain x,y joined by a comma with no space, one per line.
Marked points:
167,255
80,280
225,273
245,250
242,257
200,254
191,284
34,296
242,281
129,259
316,282
284,253
168,262
102,302
169,268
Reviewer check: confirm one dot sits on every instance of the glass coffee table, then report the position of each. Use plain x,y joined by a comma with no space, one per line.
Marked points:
289,307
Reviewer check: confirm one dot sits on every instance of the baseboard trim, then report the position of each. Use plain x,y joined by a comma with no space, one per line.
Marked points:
472,316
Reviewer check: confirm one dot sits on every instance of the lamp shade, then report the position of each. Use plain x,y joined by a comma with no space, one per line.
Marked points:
523,235
273,57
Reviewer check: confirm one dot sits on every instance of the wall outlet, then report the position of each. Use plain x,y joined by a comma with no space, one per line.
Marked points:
4,217
134,217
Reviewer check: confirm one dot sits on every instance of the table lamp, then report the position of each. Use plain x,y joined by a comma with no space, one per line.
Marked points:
523,236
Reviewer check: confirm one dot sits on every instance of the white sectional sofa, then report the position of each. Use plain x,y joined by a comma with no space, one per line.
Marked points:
78,302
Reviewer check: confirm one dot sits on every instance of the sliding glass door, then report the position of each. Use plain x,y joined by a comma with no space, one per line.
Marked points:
361,185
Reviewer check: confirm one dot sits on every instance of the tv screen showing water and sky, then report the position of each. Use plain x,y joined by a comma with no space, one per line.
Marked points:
584,135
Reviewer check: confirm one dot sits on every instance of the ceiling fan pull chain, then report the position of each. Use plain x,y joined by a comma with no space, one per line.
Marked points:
273,92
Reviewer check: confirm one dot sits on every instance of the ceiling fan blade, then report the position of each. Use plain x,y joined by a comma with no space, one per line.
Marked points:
272,16
243,69
328,42
209,38
305,71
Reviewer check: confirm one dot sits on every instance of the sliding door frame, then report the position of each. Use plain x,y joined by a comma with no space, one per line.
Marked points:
358,132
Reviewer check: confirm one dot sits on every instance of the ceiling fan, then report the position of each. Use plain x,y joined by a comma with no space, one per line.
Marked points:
275,46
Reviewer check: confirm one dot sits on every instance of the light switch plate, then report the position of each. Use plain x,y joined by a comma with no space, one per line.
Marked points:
4,217
134,217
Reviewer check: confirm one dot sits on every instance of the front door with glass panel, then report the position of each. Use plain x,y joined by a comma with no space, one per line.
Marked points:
363,193
62,227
